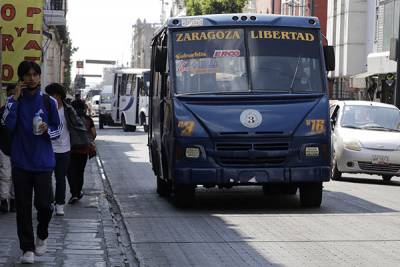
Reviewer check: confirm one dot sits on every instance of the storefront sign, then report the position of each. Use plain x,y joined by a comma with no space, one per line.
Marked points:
21,28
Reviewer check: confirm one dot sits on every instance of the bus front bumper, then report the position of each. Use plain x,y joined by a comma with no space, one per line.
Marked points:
241,176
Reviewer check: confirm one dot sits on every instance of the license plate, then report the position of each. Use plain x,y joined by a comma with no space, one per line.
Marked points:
381,160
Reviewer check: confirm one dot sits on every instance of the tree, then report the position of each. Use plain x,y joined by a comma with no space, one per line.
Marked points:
203,7
69,51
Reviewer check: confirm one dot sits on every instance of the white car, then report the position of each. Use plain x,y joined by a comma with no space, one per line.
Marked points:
365,138
95,105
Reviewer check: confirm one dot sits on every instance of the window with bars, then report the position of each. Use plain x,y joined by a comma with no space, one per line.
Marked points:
390,22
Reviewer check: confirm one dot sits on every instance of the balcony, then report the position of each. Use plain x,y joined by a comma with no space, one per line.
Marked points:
55,12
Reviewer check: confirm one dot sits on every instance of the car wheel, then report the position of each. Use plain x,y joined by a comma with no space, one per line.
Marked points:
336,174
387,178
311,195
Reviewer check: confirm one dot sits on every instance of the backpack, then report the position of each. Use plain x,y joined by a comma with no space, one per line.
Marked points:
6,136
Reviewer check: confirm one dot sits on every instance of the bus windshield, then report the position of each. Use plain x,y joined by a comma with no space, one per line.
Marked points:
280,60
210,61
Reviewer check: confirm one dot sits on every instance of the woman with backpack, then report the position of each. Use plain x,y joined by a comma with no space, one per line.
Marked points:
7,199
80,155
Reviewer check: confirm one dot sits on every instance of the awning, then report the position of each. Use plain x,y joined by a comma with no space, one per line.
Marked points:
359,80
379,63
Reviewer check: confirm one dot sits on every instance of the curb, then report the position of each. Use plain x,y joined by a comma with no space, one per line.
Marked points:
124,239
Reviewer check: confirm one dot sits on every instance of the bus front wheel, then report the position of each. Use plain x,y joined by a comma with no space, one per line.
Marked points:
125,127
311,195
163,187
101,123
184,195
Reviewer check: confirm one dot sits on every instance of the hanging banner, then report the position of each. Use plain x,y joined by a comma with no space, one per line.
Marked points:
21,24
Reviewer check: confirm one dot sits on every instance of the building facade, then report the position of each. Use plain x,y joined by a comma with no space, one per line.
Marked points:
361,32
54,41
142,35
317,8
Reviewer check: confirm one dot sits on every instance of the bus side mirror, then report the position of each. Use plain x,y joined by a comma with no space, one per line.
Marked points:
329,54
161,59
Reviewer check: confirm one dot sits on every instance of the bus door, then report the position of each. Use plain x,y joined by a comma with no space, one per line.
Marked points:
129,98
144,101
139,86
115,114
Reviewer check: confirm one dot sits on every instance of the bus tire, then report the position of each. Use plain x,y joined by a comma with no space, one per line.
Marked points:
311,195
387,178
163,187
123,123
289,189
101,123
184,195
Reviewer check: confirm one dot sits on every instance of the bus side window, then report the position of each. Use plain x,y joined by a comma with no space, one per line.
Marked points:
124,84
132,85
142,87
115,84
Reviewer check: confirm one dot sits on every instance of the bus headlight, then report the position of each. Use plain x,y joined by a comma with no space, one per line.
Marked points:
312,151
192,153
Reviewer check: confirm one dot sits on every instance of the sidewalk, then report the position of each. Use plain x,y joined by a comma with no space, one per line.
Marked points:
85,236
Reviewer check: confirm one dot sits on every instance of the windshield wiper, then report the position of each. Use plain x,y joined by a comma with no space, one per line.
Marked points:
351,126
295,74
217,93
380,128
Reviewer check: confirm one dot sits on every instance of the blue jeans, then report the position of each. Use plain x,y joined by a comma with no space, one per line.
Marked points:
60,172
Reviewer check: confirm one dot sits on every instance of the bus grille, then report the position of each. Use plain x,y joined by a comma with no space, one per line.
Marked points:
252,153
368,166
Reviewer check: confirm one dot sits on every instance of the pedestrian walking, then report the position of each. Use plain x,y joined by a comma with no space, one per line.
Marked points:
79,156
33,119
61,147
7,199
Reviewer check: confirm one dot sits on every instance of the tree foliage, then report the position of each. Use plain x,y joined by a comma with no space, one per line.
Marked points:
203,7
69,51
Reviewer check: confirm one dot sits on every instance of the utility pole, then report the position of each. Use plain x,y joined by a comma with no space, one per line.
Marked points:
312,7
397,92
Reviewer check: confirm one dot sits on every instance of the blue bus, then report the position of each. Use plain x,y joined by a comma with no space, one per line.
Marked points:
240,100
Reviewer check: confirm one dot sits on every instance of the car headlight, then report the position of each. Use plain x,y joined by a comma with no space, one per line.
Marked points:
353,145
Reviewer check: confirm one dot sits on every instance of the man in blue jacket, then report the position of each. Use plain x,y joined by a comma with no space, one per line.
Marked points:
32,157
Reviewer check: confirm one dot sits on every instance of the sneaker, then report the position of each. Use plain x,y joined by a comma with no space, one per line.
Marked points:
73,200
59,210
4,205
40,246
28,257
12,205
80,195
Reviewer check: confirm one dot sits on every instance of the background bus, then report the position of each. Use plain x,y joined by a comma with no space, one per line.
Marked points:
130,98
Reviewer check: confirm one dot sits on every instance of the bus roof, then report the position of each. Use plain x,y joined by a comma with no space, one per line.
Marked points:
130,71
244,20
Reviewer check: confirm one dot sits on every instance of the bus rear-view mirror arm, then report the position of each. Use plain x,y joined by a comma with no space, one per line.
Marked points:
329,54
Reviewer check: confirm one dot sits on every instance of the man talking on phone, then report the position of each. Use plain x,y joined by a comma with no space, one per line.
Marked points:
32,119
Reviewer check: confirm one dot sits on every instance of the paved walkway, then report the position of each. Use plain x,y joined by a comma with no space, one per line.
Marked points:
86,236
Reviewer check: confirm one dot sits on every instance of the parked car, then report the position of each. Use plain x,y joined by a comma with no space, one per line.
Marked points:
365,138
94,105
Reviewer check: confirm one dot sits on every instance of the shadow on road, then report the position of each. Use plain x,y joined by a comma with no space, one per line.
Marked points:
165,235
244,200
357,180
